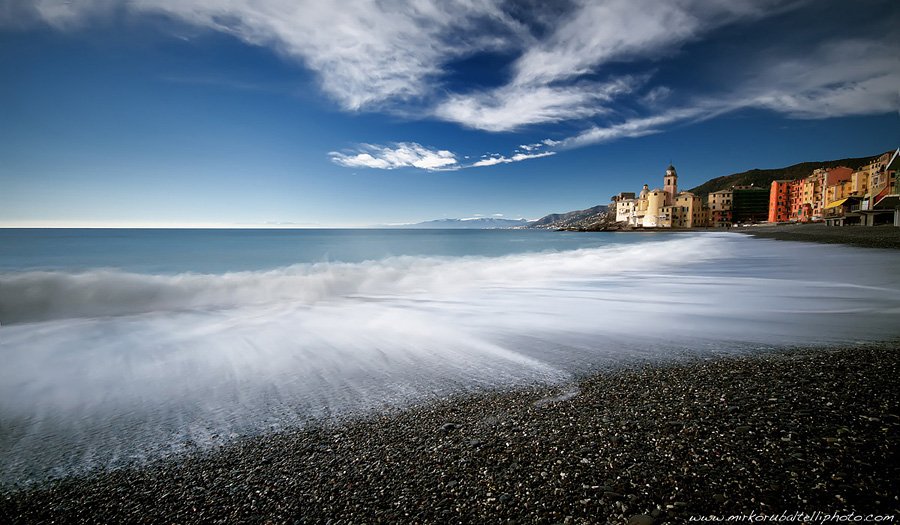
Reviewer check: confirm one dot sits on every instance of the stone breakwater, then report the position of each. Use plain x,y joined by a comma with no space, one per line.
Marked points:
795,430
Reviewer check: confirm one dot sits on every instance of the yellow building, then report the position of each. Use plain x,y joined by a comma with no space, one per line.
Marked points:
653,215
720,208
859,182
685,212
839,190
661,207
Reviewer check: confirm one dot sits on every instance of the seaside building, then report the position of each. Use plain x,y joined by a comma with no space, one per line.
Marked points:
625,204
806,199
869,195
720,204
780,201
685,212
811,196
881,204
859,182
750,204
670,185
838,196
795,190
660,207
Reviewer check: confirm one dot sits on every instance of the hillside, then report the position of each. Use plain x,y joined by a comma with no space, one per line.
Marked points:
578,219
764,178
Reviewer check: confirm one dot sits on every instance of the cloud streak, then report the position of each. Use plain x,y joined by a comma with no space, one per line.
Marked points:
495,159
395,55
365,53
511,107
400,155
414,155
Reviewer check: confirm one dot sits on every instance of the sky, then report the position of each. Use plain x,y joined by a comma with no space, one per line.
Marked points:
293,113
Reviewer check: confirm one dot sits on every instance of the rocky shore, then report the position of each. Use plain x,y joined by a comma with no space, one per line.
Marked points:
793,430
867,236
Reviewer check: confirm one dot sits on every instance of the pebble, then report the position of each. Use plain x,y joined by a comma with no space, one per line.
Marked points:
643,445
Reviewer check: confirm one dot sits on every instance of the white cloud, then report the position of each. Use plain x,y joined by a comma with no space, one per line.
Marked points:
375,54
840,78
400,155
636,127
414,155
595,33
545,87
656,95
510,107
364,52
518,157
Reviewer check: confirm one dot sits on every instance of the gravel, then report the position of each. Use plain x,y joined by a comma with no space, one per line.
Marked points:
867,236
792,430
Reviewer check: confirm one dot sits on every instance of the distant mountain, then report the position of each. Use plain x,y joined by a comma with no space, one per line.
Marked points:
476,223
764,178
579,219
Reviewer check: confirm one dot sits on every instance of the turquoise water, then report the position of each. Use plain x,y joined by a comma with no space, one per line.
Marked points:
220,251
120,346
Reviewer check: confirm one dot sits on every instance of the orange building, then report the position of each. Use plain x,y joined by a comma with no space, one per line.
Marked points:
780,201
836,175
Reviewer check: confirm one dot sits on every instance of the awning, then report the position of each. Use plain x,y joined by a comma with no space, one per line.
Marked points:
836,203
888,202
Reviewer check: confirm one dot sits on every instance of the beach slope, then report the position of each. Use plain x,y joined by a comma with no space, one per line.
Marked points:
794,430
866,236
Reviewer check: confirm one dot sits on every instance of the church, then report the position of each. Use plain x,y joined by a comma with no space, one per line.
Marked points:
660,207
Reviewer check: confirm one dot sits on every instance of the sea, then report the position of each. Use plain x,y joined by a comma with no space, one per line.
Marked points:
122,346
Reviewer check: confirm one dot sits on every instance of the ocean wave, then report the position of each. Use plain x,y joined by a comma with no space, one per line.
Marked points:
45,295
102,367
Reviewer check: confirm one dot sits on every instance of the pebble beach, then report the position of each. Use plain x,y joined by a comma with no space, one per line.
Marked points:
866,236
794,430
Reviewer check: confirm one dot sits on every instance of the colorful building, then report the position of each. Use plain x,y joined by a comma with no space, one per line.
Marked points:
780,201
686,211
881,205
720,204
661,207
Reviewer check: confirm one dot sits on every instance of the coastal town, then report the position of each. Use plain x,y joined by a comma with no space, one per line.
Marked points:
837,196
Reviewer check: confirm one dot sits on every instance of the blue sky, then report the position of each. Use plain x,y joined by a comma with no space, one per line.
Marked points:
353,113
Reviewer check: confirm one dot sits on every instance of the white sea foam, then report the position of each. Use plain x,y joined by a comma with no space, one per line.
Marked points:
103,366
41,296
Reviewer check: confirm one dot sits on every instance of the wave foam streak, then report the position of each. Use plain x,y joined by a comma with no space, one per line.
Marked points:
105,367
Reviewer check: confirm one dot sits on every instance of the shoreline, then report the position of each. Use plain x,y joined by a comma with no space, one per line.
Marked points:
722,435
886,236
883,236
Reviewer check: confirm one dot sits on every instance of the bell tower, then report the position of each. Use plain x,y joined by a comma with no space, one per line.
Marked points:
670,185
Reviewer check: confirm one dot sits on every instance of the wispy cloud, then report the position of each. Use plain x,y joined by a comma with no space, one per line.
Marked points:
596,33
414,155
393,54
400,155
496,158
836,79
364,52
840,78
510,107
636,127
